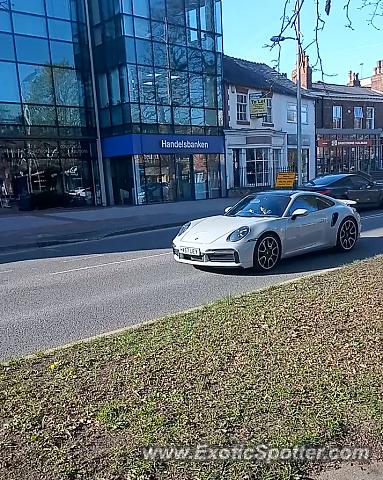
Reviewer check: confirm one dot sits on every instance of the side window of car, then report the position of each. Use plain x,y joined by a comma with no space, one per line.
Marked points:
360,183
344,183
307,202
323,203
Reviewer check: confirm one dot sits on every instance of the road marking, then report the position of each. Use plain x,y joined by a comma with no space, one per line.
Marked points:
110,263
6,271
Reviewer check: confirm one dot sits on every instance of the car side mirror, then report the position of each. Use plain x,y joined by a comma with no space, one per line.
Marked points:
227,209
299,212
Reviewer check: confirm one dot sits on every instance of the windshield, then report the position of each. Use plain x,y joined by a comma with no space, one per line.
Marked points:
262,205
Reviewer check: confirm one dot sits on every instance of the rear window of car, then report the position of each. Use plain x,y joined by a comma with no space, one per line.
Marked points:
323,181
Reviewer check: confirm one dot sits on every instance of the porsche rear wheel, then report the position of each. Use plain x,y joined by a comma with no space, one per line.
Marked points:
347,235
267,252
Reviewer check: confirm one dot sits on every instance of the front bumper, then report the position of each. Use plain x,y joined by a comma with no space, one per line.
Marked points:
213,257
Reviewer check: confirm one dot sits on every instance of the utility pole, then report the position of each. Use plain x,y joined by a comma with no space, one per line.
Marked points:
299,96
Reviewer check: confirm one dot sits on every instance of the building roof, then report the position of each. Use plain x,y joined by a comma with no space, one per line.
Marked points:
332,90
257,75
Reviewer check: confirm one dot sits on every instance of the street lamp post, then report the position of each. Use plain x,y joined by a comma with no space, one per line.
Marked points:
297,38
299,98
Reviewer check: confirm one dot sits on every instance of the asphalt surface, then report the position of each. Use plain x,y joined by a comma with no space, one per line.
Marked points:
57,295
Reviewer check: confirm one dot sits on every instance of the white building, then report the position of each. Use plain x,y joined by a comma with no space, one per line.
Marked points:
261,125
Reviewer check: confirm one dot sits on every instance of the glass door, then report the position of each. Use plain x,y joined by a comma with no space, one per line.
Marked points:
200,176
185,178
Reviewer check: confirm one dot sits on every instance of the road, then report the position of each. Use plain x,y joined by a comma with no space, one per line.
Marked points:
57,295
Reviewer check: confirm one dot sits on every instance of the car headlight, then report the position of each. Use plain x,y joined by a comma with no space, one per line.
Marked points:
238,234
183,229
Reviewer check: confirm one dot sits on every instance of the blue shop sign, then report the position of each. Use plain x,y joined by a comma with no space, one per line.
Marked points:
166,144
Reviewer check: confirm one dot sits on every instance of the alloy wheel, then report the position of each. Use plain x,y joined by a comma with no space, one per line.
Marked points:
268,253
348,234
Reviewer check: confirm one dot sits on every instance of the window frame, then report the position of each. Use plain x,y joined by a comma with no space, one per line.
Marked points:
242,107
358,119
371,118
337,116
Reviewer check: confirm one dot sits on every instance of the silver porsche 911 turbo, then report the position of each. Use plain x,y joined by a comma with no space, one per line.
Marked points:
265,227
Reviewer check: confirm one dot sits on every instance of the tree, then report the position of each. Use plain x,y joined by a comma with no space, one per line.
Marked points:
372,9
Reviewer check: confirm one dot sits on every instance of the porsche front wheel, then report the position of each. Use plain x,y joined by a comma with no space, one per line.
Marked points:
267,253
347,235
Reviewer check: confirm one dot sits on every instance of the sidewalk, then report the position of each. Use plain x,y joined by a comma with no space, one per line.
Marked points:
53,227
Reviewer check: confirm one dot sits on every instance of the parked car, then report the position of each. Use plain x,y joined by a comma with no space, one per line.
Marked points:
265,227
351,186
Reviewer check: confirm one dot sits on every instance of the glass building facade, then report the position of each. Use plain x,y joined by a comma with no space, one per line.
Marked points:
158,66
148,85
47,128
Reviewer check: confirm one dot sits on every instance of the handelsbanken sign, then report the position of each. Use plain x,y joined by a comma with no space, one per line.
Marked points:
136,144
184,144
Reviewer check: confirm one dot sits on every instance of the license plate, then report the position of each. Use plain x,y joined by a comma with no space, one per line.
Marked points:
195,252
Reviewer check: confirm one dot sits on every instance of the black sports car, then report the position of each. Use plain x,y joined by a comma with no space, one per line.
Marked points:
350,186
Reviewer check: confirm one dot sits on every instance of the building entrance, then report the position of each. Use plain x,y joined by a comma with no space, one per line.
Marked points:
121,170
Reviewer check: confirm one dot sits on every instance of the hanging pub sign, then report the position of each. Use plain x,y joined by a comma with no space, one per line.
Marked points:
258,105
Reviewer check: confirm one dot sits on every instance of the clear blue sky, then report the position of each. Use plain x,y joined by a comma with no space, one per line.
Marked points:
248,25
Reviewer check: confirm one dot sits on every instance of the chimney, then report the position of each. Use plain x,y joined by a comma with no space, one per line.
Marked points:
377,78
353,79
306,73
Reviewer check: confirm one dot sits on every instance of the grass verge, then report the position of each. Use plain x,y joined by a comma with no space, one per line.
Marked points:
296,364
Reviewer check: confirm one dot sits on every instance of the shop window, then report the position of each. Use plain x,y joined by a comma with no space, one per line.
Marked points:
257,171
214,175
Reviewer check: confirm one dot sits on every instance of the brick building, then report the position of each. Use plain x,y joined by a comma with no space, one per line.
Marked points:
349,122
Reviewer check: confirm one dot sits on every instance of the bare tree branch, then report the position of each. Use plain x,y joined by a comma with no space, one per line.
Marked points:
292,8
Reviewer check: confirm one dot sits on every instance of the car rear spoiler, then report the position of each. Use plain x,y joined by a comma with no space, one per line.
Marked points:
349,203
